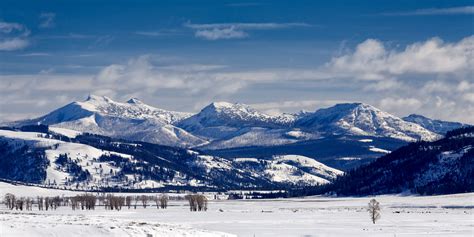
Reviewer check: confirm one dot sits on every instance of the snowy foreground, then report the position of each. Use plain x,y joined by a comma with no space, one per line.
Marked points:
450,215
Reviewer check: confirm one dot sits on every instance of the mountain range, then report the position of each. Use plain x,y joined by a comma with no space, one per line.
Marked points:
103,144
343,136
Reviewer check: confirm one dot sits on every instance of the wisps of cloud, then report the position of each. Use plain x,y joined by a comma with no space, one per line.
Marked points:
68,36
464,10
235,30
13,36
47,20
157,33
34,54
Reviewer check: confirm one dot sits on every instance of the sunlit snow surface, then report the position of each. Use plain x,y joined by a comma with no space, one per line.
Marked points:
449,215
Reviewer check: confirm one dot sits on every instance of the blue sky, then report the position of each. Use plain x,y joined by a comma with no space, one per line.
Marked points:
279,56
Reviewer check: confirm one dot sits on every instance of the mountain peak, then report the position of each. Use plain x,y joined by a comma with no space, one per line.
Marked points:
223,105
351,106
134,101
415,116
93,97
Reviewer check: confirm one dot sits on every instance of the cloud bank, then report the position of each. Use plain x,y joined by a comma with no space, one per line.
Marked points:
431,77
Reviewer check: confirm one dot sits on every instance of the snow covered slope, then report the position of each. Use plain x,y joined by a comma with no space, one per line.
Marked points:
96,162
290,169
132,120
59,174
434,125
363,119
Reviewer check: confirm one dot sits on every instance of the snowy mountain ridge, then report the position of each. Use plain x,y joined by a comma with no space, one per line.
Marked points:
434,125
222,125
229,114
133,120
363,119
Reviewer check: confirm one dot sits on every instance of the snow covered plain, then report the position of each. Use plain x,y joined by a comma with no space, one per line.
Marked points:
450,215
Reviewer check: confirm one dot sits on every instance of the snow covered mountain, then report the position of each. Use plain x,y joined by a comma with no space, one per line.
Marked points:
219,119
434,125
133,120
63,158
363,119
234,125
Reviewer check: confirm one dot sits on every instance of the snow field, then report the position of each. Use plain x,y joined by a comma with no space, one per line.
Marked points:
449,215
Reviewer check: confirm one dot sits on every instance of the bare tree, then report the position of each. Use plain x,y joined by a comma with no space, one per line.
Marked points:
374,210
157,201
40,203
137,198
128,201
46,203
28,204
202,203
144,200
9,200
19,204
74,203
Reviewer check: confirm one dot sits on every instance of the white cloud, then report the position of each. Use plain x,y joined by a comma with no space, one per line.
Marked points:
390,84
464,10
13,36
221,33
372,61
294,105
13,44
235,30
469,97
400,105
9,27
47,20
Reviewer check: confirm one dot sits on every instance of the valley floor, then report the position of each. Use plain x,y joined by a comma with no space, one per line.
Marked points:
450,215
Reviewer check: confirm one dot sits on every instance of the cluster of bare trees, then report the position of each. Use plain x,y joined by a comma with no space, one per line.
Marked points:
162,200
52,202
84,201
90,201
197,202
21,203
113,202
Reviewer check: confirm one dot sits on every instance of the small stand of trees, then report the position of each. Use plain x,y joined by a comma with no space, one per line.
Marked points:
374,210
114,202
197,202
